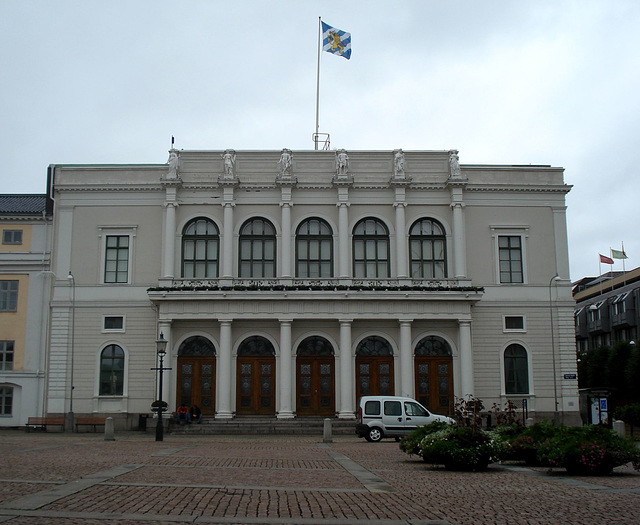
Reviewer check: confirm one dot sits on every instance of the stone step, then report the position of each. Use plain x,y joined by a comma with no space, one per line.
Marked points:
270,426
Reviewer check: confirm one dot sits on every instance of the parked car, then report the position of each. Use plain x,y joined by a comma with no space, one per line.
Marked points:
392,416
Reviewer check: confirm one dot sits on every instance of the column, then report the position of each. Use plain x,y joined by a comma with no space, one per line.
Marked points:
227,243
224,372
406,360
459,241
170,361
286,253
347,377
402,247
343,240
169,240
285,370
466,358
561,241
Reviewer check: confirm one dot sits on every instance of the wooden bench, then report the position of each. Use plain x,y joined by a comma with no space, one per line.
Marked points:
44,422
89,421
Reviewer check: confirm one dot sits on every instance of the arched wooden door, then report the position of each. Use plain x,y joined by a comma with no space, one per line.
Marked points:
374,368
256,378
315,378
434,375
197,374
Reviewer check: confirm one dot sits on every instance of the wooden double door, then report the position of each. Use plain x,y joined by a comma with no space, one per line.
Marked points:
196,382
315,389
374,376
434,383
256,385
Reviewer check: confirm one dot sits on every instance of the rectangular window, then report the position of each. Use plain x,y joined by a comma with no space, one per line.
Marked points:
11,236
116,267
8,296
514,323
6,355
6,401
113,323
510,257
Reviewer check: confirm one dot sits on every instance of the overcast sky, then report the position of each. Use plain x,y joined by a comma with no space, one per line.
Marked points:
504,82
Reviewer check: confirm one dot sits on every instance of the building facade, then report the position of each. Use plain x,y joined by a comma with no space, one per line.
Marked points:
607,309
288,284
25,280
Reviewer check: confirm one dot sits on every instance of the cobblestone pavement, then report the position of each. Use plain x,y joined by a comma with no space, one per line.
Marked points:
55,478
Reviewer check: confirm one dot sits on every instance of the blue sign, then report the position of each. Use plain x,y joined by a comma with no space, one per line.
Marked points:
603,404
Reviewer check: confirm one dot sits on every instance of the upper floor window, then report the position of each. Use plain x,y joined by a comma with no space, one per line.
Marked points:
371,250
8,296
6,355
314,249
11,236
510,256
113,323
200,249
516,370
112,371
6,400
257,249
116,266
427,249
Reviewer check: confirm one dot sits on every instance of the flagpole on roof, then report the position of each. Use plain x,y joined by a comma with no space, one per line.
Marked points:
315,137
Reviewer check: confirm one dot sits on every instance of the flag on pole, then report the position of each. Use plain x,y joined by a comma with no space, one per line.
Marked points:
605,260
336,41
618,254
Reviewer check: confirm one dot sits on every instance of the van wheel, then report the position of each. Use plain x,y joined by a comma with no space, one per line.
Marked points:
374,434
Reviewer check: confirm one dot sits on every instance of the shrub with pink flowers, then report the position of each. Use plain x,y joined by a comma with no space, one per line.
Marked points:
591,450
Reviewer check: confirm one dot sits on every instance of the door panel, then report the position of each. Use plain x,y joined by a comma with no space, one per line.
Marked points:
315,386
256,386
434,383
196,382
374,376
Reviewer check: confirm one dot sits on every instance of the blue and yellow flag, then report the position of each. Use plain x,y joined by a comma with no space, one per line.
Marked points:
336,41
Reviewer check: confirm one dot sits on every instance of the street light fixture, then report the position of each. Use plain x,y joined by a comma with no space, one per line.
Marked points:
556,413
161,348
70,416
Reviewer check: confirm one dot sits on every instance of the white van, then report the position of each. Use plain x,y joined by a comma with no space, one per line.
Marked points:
392,416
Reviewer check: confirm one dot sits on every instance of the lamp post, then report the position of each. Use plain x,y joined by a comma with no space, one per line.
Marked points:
556,414
70,416
161,348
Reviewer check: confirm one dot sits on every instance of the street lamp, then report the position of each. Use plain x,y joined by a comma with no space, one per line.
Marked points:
70,416
556,414
161,348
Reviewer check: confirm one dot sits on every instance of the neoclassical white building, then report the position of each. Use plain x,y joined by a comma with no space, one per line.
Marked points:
289,283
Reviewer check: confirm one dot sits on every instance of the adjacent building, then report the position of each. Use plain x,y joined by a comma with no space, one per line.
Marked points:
290,283
25,250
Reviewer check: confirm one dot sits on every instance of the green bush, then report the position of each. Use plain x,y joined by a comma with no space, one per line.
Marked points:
589,450
410,444
630,414
525,446
463,448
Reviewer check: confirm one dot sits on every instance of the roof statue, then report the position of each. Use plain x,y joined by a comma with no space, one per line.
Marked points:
174,164
229,163
398,164
454,164
285,164
342,163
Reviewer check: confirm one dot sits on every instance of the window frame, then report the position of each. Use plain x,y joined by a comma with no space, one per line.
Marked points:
9,297
512,370
522,232
6,392
115,316
367,240
429,239
505,329
307,239
9,237
105,232
111,345
6,352
257,239
207,238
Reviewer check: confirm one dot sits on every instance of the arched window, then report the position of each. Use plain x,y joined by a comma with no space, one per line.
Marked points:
370,250
112,371
257,249
433,345
427,249
200,249
516,370
314,249
374,346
